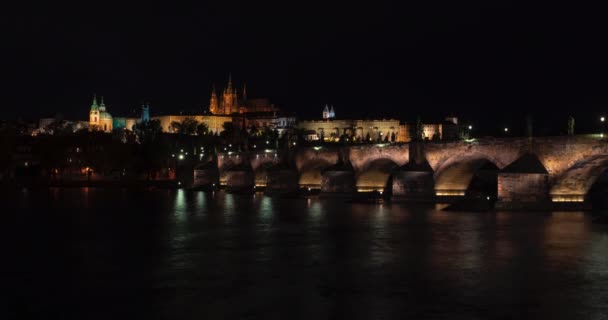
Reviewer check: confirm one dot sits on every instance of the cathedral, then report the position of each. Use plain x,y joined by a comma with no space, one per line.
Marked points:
231,103
99,118
329,113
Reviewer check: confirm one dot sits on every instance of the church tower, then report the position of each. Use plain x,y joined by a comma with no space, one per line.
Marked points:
332,113
326,113
94,114
230,99
213,103
145,113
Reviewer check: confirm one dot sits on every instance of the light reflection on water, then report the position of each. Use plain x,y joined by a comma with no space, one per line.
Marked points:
195,254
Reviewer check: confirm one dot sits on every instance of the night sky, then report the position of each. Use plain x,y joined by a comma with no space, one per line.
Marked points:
487,61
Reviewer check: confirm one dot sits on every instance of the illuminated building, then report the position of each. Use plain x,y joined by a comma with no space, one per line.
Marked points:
329,113
374,130
99,117
273,120
231,103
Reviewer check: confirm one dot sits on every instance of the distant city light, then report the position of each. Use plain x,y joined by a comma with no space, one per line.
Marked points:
506,129
267,142
470,127
181,157
602,119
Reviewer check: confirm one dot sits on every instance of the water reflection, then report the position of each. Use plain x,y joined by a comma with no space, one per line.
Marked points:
195,254
200,202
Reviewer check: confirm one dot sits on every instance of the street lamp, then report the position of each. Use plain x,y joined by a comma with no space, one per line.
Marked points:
470,127
602,119
506,129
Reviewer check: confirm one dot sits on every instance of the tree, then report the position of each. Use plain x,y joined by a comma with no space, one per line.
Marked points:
254,131
229,131
152,149
187,126
202,129
60,128
148,131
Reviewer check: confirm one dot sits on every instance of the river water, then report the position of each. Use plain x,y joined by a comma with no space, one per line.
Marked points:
175,254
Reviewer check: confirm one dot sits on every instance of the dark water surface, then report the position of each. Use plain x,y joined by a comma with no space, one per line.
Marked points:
108,254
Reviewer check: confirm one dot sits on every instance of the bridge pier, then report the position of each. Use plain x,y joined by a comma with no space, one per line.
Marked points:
339,179
206,176
413,186
414,181
523,184
240,179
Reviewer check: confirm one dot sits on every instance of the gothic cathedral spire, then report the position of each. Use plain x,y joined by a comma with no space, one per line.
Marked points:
229,87
213,103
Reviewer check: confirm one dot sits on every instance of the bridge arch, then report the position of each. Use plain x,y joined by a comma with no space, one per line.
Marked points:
310,172
457,175
362,157
311,161
376,174
575,184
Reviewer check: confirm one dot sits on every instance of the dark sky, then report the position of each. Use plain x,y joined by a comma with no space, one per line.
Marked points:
490,62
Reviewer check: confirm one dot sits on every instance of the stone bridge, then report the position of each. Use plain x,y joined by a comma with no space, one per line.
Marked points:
572,164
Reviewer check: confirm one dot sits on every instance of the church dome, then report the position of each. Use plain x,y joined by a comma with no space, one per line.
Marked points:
104,115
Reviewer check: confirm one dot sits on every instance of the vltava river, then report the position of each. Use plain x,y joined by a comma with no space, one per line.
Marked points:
167,254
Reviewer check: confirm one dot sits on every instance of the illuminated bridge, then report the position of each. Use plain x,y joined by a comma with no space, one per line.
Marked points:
556,169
